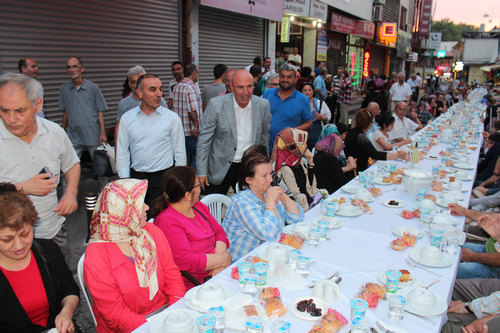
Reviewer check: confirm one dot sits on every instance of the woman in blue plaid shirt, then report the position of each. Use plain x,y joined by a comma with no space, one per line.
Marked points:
258,213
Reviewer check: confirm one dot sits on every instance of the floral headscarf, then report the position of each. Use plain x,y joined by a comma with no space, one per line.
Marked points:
289,147
117,218
332,144
327,130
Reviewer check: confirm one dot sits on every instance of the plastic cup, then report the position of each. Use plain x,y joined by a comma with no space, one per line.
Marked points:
397,306
437,237
323,227
249,284
219,313
206,324
452,245
358,308
280,326
392,280
314,236
261,269
421,192
302,265
444,159
322,206
254,325
244,268
392,167
360,325
331,207
362,177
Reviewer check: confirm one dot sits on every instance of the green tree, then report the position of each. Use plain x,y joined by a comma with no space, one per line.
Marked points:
450,30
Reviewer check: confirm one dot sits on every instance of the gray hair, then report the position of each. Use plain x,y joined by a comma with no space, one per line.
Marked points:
136,70
323,70
271,77
288,68
28,84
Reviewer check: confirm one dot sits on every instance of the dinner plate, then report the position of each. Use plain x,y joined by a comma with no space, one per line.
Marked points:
305,315
356,212
463,189
440,203
379,181
368,201
398,231
193,292
156,322
261,251
382,277
432,157
352,189
444,262
439,307
399,205
464,166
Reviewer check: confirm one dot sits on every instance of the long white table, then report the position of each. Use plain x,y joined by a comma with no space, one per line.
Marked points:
360,249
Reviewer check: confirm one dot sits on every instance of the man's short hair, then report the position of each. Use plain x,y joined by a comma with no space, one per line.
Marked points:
399,103
145,76
136,70
288,68
323,71
77,58
257,60
265,58
28,84
22,63
255,70
189,69
219,70
177,62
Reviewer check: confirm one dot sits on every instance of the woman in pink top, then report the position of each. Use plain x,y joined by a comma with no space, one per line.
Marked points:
199,244
128,267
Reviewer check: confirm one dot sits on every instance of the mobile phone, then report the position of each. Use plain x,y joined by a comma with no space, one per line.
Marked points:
46,170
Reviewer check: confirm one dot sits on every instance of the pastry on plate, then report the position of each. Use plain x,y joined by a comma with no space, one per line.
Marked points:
292,240
398,244
269,292
405,276
409,239
274,307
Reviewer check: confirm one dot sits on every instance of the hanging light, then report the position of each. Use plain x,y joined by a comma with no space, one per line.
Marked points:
319,25
314,23
292,18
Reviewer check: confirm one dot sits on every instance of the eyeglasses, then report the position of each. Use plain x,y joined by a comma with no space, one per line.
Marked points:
197,185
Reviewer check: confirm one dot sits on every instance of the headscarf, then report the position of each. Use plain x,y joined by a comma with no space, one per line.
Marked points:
327,130
117,218
289,146
332,144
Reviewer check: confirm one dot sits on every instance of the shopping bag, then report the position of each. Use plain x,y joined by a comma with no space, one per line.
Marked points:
101,163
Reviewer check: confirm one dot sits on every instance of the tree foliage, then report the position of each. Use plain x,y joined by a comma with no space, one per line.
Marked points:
450,30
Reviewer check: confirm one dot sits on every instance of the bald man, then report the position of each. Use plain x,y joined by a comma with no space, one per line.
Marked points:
231,124
374,109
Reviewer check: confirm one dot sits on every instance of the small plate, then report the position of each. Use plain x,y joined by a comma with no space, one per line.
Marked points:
367,201
463,189
382,277
355,212
432,157
441,204
464,166
352,189
439,307
156,321
192,294
445,259
305,315
379,181
398,231
399,205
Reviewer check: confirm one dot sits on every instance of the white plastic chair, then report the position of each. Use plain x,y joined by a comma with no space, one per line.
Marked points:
216,203
86,293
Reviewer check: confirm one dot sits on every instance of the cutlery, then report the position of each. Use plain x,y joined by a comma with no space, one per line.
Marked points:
422,317
431,284
337,273
422,268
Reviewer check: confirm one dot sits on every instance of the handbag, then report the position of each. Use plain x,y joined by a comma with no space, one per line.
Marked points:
101,163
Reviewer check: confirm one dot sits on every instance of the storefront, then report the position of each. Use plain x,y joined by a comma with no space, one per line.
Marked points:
383,48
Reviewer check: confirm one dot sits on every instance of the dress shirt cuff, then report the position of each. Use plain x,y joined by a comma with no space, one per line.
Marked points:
123,172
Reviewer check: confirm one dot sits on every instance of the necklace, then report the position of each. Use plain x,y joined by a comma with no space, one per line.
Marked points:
199,224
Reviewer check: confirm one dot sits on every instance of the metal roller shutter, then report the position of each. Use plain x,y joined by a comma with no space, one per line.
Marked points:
109,36
227,38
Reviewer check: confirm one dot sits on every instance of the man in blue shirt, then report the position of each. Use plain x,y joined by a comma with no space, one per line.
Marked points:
289,107
320,85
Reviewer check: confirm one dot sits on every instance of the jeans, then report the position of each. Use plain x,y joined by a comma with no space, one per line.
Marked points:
191,142
472,270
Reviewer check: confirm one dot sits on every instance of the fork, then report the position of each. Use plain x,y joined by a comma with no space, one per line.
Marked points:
422,268
337,273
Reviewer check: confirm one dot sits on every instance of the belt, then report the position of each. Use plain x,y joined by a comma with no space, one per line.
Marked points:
149,174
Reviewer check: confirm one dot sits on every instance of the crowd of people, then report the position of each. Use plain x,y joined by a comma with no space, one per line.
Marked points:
275,151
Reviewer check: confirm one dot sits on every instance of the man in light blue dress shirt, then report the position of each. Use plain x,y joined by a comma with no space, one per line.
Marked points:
150,138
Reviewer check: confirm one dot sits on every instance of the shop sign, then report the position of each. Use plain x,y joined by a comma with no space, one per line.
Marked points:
366,64
388,34
459,66
318,10
435,41
412,56
285,30
296,7
364,29
351,26
425,18
322,46
269,9
441,53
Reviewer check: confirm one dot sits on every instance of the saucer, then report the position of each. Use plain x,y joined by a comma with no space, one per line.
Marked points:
320,303
156,321
463,189
191,295
444,262
440,203
398,231
383,278
352,189
367,201
379,181
399,205
355,212
464,166
439,307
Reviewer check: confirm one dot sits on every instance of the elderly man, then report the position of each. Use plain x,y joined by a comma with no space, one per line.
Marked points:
231,124
374,110
34,152
29,67
412,82
289,107
273,81
150,138
227,81
320,84
404,127
399,92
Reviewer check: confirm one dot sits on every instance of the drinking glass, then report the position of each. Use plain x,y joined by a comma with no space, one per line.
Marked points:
397,305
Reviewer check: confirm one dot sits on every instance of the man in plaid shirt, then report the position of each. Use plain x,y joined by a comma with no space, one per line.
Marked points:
187,104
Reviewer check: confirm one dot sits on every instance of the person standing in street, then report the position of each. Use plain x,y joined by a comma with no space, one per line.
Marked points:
399,92
29,67
178,73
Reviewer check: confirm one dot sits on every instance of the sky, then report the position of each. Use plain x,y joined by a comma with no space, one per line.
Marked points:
469,11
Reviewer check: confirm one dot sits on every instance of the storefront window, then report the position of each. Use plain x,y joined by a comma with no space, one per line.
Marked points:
354,60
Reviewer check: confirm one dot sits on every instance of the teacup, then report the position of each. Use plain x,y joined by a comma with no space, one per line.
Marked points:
178,321
448,198
346,208
277,252
431,254
421,298
301,229
363,194
455,186
461,175
210,293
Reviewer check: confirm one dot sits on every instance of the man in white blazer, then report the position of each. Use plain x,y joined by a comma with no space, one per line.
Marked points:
231,124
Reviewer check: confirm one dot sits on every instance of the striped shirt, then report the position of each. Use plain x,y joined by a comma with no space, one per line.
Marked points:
248,224
486,306
187,98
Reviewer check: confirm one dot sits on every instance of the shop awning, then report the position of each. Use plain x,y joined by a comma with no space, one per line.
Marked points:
488,68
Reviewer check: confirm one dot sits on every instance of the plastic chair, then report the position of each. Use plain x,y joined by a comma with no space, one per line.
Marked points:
216,203
86,293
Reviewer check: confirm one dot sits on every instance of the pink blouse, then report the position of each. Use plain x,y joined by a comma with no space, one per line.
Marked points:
191,239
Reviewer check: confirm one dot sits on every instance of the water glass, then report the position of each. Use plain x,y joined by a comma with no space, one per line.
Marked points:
261,269
254,325
362,177
322,205
280,326
358,308
435,170
314,236
244,268
360,325
392,280
292,257
206,324
323,227
393,167
426,216
219,313
249,284
437,237
452,245
421,192
331,207
397,306
444,159
303,264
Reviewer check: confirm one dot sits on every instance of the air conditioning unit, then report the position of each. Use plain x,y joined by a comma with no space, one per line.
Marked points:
378,2
377,13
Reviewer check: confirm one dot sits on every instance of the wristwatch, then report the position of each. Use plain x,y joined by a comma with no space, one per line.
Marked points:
467,307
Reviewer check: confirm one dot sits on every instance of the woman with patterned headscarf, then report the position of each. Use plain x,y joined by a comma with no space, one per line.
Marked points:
290,146
128,267
328,169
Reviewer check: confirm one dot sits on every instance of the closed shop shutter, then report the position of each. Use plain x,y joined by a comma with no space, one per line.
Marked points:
227,38
109,36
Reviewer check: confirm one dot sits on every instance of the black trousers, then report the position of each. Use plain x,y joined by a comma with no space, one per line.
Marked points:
230,179
154,184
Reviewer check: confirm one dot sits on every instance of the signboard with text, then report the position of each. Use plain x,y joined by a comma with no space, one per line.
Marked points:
322,46
269,9
285,30
425,18
347,25
296,7
318,10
